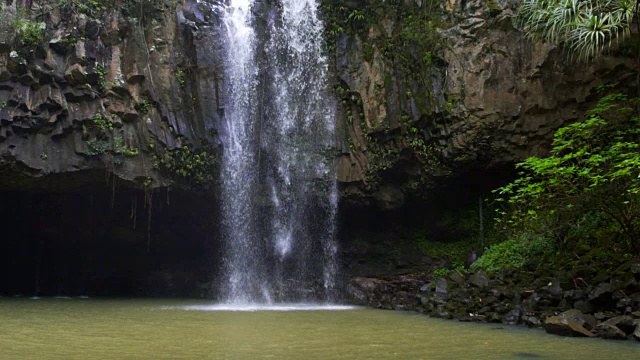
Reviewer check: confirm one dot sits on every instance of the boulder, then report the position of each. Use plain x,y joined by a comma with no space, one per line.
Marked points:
625,323
608,331
456,277
587,321
636,333
564,326
363,289
601,293
553,289
430,286
479,279
531,321
442,288
600,315
357,294
512,317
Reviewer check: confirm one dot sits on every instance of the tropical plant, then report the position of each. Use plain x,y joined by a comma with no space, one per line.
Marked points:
586,27
593,167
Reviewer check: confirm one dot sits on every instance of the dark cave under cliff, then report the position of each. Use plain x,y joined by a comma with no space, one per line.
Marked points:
105,240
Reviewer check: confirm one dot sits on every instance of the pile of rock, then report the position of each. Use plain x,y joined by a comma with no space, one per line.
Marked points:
562,304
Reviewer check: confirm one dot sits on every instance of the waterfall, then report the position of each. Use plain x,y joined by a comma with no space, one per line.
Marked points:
243,271
278,171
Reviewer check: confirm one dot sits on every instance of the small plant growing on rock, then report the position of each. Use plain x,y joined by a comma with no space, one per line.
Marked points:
187,164
180,77
144,106
101,123
117,148
31,33
101,71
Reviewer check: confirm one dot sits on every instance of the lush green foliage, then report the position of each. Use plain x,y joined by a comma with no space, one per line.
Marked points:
188,165
513,254
586,27
590,176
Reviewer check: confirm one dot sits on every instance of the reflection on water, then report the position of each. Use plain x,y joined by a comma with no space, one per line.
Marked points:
260,307
164,329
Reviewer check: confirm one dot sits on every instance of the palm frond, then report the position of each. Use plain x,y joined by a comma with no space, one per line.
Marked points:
586,27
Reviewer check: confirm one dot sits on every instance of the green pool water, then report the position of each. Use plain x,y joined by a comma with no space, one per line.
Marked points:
178,329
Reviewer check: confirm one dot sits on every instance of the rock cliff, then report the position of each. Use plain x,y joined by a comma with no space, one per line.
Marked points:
429,92
122,86
436,91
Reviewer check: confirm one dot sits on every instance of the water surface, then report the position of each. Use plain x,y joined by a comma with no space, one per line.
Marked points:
178,329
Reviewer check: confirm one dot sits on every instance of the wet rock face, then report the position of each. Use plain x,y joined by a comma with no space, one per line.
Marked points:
487,98
108,87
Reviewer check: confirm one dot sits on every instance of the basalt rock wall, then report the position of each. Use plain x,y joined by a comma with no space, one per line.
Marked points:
113,85
429,92
434,93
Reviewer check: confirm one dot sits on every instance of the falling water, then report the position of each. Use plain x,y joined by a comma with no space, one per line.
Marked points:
278,178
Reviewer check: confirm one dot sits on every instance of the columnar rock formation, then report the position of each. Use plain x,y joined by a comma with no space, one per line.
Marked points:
429,90
103,85
434,91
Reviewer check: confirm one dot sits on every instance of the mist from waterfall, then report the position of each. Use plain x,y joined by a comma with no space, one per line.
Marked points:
278,175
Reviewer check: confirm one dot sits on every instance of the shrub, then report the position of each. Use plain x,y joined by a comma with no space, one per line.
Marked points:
513,254
593,167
